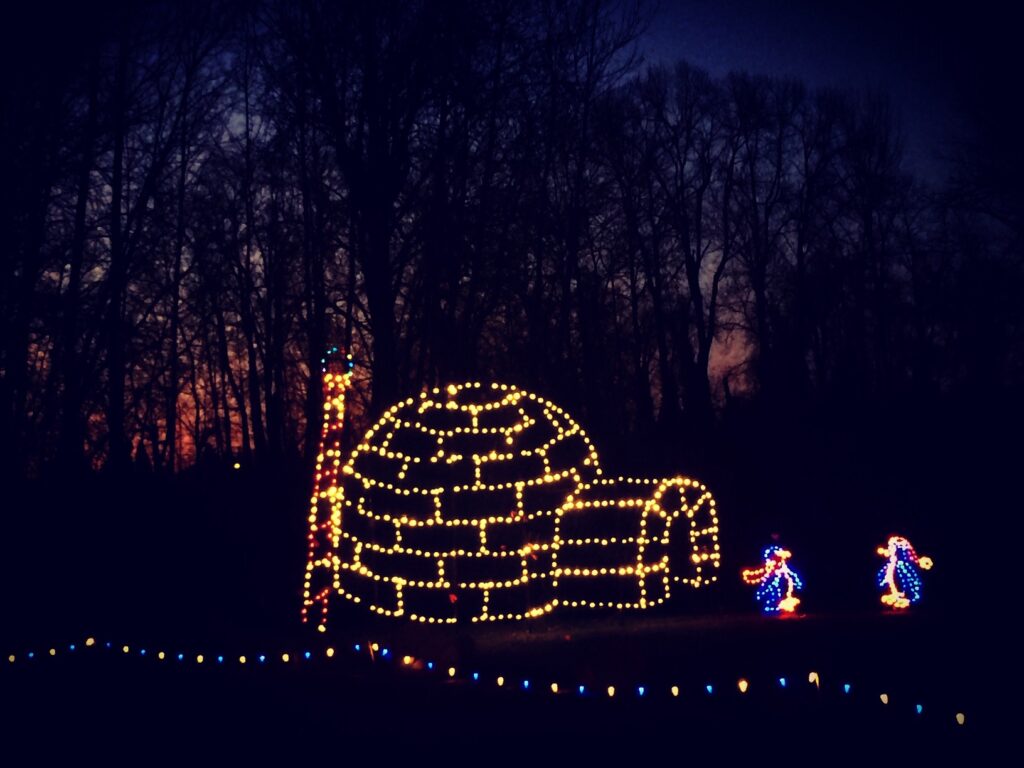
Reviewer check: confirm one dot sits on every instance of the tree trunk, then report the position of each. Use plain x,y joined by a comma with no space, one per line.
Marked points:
118,449
70,441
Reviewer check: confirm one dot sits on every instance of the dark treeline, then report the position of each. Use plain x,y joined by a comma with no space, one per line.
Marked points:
198,198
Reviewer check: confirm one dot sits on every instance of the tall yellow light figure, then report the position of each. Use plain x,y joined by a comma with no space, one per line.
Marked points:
325,505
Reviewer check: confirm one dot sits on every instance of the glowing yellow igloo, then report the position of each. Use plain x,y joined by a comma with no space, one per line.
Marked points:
482,502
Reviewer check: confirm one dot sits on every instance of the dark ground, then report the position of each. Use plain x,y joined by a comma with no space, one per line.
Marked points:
211,562
103,703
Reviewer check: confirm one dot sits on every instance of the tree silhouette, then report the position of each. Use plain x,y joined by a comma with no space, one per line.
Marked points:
198,198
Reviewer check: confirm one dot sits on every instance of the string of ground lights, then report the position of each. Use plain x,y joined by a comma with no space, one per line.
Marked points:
377,653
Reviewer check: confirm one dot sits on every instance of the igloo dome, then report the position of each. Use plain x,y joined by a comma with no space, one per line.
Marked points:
485,502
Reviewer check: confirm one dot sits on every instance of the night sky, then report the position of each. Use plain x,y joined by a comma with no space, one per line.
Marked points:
946,67
951,68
